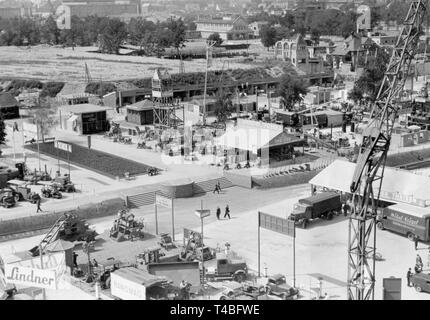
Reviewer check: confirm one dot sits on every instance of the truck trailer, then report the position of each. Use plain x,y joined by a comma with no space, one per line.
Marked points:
321,205
409,220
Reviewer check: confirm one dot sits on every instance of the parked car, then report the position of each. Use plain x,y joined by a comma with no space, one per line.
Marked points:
277,285
421,282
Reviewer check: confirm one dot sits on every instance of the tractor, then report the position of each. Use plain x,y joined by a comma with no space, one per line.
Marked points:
152,171
51,191
64,184
21,191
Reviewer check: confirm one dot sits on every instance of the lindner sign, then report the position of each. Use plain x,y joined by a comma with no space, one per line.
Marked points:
30,277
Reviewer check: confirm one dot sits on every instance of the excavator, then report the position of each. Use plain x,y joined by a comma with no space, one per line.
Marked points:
369,171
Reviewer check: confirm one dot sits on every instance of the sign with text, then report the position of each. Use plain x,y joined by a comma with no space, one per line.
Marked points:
63,146
163,201
126,289
277,224
31,277
202,213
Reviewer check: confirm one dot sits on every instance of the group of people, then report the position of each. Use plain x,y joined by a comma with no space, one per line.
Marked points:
419,265
217,187
226,214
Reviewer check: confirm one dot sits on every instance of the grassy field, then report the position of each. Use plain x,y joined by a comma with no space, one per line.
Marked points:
100,162
64,64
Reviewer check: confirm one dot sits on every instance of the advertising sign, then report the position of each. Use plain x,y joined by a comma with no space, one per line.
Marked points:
126,289
63,146
163,201
30,277
277,224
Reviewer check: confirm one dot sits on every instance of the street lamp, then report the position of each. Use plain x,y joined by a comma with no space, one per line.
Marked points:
202,214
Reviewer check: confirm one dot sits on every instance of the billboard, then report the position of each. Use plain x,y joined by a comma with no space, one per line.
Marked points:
163,201
63,146
31,277
126,289
54,263
276,224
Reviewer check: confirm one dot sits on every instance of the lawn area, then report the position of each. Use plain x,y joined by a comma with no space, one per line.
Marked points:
101,162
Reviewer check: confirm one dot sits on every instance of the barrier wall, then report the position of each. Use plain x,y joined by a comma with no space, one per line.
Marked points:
240,180
44,221
284,180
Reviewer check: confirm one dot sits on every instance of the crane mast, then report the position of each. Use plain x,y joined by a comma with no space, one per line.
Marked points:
369,171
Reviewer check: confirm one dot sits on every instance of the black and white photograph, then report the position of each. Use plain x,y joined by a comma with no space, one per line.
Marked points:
219,155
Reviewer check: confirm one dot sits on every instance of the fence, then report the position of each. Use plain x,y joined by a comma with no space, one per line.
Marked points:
44,221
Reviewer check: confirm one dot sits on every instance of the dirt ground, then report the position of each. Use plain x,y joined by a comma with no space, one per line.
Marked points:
64,64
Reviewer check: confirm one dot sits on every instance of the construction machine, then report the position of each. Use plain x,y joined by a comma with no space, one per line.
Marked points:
64,184
51,191
21,191
126,227
68,227
369,171
7,198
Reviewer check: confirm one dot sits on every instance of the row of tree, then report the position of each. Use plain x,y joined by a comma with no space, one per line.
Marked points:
108,33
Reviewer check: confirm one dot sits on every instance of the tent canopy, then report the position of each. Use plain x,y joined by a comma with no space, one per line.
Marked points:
397,185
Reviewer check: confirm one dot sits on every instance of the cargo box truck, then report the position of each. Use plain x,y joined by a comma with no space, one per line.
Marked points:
411,221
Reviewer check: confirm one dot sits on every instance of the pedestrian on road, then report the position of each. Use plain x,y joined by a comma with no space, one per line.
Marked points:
227,212
219,186
418,260
39,209
216,188
75,259
218,212
408,277
416,243
345,209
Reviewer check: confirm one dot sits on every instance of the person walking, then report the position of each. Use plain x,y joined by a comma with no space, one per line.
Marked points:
408,277
227,212
345,209
216,188
219,186
218,212
39,209
416,243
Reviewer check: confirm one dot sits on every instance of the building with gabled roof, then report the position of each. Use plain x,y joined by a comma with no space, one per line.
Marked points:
229,28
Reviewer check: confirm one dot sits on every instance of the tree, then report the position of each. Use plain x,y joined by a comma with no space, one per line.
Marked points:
368,84
217,38
138,30
50,32
2,131
177,32
291,90
44,116
112,36
268,36
223,106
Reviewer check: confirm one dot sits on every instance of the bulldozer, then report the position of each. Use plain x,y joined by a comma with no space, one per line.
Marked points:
126,227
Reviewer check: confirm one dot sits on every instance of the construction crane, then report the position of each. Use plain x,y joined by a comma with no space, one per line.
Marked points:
369,171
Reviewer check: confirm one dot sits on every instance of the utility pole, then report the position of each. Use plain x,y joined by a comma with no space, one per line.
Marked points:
209,45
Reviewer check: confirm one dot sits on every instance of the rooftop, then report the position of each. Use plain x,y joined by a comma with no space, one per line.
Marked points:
398,186
83,108
7,100
141,105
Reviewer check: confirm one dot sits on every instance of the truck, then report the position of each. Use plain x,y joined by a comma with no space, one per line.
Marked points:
277,285
228,269
421,282
21,191
321,205
411,221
